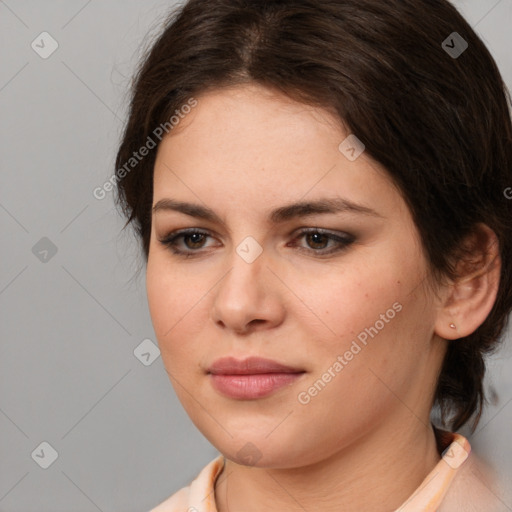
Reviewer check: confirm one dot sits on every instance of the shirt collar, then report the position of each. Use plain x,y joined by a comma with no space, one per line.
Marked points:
427,497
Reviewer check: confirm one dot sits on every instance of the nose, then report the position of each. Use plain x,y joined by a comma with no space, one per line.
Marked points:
248,297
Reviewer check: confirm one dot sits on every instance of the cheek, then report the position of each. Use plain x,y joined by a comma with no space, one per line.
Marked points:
374,314
161,302
174,301
344,301
381,344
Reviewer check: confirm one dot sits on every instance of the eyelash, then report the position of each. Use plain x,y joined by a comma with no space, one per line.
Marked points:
170,241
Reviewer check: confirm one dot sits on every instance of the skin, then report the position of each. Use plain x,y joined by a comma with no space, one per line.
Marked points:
245,151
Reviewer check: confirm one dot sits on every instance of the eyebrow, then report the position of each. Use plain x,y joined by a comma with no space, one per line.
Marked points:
279,215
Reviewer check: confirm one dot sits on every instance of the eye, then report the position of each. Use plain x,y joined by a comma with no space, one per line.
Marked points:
194,240
317,239
195,237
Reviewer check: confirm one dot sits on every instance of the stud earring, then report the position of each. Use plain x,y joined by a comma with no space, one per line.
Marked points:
453,326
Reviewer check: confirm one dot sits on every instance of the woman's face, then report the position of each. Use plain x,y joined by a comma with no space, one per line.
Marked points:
348,313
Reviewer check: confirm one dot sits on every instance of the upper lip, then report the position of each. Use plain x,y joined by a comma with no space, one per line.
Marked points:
249,366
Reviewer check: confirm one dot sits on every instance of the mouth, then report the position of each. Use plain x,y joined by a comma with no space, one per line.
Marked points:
249,366
251,378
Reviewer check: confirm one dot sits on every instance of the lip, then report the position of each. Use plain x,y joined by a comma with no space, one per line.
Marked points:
251,378
249,366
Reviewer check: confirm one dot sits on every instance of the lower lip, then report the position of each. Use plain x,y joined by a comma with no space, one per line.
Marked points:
250,387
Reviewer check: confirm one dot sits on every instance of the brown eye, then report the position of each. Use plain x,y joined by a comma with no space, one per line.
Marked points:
188,243
195,238
317,241
192,241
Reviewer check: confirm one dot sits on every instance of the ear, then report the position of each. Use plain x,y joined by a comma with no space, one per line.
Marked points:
467,301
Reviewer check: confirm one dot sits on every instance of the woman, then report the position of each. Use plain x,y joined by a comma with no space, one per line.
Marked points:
320,191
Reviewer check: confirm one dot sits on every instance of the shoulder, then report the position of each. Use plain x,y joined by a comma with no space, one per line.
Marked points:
194,496
473,489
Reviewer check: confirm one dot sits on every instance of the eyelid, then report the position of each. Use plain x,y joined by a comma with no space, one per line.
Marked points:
173,235
343,240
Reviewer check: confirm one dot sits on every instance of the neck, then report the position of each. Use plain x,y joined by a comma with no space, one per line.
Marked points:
377,472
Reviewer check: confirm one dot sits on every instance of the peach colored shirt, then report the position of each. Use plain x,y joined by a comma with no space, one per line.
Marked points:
199,496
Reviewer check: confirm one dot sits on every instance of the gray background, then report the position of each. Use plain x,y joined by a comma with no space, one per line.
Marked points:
70,324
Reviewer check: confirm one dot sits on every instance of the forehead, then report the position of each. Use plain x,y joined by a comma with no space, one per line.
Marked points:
254,145
250,122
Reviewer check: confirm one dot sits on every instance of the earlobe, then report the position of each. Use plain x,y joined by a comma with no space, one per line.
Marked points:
471,296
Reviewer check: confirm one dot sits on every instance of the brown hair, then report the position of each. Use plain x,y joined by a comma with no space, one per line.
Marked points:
440,124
